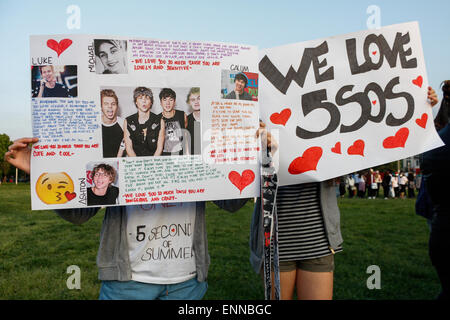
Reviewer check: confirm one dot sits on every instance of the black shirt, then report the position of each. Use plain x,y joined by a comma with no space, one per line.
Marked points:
144,144
109,198
59,91
112,137
194,130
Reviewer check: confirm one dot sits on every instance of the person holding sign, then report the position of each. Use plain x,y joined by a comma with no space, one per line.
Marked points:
309,236
240,83
144,131
435,168
103,192
49,87
112,132
154,251
175,122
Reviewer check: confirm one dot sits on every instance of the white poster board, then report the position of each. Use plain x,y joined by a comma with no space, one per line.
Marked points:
97,109
347,103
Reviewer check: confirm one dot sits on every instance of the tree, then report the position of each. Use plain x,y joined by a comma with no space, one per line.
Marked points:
5,142
392,166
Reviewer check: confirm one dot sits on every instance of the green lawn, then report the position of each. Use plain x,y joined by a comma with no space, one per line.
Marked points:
37,247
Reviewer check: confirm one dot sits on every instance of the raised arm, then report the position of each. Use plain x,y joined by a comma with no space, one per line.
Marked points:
19,153
432,96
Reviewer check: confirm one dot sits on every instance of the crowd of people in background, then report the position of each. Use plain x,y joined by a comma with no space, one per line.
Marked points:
372,184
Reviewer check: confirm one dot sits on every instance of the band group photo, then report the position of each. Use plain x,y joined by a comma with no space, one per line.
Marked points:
143,121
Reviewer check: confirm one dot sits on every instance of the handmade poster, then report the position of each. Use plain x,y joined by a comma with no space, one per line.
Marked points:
346,103
125,121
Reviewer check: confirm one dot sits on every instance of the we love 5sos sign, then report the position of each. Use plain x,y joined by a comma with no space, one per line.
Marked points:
347,103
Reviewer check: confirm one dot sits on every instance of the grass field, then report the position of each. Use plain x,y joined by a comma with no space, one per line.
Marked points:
37,247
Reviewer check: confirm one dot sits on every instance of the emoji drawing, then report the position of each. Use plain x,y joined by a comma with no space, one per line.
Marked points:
55,188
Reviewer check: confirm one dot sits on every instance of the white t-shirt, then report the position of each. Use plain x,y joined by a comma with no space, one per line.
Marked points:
403,180
160,239
394,182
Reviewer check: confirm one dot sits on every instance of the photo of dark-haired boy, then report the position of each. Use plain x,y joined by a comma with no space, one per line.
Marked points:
175,121
193,126
144,130
240,83
112,132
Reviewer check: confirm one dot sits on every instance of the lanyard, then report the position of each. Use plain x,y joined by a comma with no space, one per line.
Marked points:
269,187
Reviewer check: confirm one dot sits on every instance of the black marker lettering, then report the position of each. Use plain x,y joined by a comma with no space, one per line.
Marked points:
385,51
310,56
391,120
313,101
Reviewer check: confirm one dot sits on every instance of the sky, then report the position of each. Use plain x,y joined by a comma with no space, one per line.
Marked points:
261,23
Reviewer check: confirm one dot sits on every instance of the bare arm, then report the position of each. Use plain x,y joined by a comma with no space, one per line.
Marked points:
266,138
186,136
161,137
19,153
128,142
121,149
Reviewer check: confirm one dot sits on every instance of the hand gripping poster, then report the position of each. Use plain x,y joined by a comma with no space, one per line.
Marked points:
347,103
125,121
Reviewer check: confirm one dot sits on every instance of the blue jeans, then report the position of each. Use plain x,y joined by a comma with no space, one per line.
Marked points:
133,290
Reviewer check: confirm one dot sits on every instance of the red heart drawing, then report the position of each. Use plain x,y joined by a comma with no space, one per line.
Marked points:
69,195
374,52
374,101
282,117
418,81
336,148
357,148
59,47
399,140
307,162
248,176
422,121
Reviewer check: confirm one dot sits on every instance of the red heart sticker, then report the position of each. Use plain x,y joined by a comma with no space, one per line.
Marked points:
374,101
357,148
374,52
59,47
307,162
70,195
397,141
241,181
282,117
336,148
418,81
422,121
